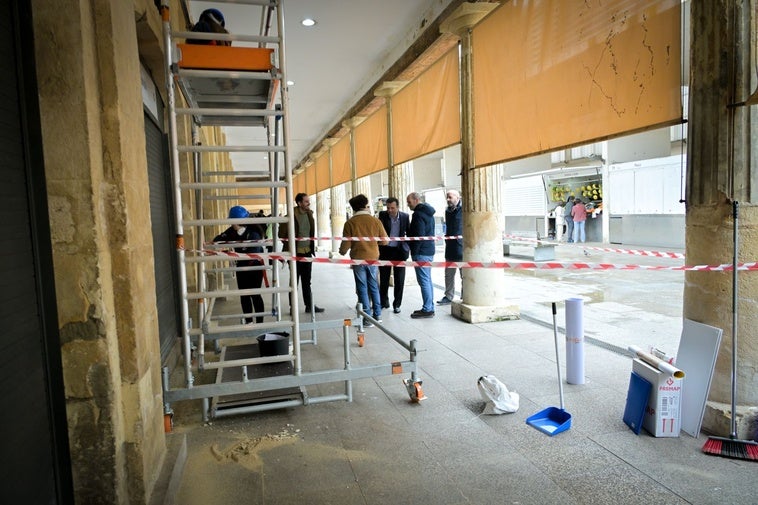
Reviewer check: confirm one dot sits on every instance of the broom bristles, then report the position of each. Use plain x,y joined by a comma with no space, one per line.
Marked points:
731,448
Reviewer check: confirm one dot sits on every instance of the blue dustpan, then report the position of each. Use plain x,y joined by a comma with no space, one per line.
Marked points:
552,420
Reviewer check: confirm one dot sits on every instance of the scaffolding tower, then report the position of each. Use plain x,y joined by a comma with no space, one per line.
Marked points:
243,86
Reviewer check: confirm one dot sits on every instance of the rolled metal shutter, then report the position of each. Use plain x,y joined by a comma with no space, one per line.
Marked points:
164,231
36,468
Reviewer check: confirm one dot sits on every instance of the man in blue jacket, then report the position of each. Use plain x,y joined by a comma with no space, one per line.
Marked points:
422,225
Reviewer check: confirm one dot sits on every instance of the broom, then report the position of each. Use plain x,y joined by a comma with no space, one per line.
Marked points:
732,447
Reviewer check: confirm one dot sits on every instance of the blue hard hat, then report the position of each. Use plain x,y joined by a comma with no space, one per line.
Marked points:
215,15
238,212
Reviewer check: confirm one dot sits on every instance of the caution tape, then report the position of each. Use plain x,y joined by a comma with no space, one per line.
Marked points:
546,265
634,252
353,239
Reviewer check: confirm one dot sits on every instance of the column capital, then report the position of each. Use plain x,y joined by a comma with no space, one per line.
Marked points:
353,122
389,88
329,142
466,16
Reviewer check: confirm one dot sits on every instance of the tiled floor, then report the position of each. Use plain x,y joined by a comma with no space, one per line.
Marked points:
383,449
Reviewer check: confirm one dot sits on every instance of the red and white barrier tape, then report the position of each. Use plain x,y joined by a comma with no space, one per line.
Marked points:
634,252
547,265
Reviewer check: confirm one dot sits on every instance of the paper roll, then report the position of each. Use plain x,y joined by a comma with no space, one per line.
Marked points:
656,362
575,341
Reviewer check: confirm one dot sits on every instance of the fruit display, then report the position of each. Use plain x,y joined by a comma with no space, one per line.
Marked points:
588,191
559,193
592,191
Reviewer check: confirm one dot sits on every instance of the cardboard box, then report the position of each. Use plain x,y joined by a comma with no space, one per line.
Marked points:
662,415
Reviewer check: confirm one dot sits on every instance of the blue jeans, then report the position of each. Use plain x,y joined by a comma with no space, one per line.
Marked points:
579,231
424,279
569,229
367,287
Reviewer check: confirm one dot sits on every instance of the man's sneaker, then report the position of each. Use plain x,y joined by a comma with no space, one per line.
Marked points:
396,310
422,313
368,324
444,301
378,319
316,309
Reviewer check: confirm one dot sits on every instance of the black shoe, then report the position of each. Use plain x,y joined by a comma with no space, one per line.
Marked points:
385,305
316,309
368,324
422,313
396,310
444,301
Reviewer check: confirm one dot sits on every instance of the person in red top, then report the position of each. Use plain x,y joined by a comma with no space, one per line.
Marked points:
579,214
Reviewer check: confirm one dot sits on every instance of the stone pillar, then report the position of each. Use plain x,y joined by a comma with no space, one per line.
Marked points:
402,183
484,290
323,221
94,149
720,158
338,202
363,186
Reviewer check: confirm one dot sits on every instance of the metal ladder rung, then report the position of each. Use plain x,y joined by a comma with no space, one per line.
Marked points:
227,222
263,3
235,292
243,196
223,330
215,259
227,74
229,112
233,185
230,149
264,39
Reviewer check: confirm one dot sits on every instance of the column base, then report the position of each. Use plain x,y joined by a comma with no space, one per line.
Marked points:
717,420
484,314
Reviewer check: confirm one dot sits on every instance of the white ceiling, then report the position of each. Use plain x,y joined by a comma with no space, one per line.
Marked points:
332,64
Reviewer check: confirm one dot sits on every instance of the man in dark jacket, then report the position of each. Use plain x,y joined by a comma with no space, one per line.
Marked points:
396,225
304,228
247,278
453,246
422,225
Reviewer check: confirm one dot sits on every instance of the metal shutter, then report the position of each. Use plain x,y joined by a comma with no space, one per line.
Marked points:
163,229
33,418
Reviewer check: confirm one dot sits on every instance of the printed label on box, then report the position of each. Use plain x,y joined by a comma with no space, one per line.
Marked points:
662,416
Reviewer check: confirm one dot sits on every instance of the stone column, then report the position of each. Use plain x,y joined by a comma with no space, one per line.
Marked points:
94,148
323,221
484,290
720,158
402,183
363,186
338,202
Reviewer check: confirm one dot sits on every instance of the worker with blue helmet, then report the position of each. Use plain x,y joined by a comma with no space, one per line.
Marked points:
210,21
246,277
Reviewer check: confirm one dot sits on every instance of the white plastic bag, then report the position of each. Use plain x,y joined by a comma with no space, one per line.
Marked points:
497,397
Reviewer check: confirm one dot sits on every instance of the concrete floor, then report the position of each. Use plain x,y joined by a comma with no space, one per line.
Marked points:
383,449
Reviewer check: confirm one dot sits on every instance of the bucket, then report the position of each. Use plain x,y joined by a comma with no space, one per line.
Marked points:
273,344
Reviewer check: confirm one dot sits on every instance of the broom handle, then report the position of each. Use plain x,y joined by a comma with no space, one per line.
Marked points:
735,301
557,358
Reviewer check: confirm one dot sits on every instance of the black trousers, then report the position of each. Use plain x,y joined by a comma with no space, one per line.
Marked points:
251,280
304,270
392,254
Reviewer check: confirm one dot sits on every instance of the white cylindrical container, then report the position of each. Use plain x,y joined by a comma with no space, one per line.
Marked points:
575,341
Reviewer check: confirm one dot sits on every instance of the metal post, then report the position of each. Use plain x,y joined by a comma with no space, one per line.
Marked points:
176,179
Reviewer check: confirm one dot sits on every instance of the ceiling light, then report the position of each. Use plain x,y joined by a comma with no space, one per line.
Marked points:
308,22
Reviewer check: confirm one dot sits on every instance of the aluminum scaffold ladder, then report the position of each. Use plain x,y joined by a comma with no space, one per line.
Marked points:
243,87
